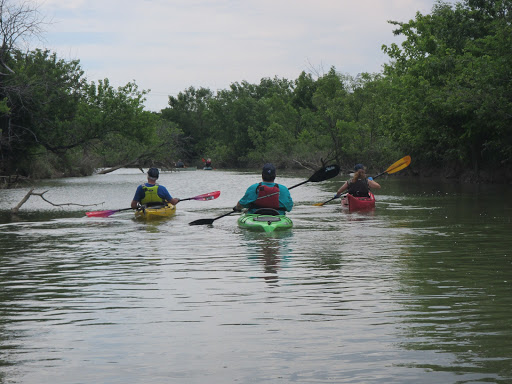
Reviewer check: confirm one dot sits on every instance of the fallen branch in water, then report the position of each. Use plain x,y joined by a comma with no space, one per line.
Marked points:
112,169
32,193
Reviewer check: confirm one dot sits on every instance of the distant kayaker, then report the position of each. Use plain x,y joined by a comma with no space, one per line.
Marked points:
359,185
180,164
208,163
266,194
150,193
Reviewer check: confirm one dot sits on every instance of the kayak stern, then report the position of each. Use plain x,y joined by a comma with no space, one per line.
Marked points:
264,223
156,213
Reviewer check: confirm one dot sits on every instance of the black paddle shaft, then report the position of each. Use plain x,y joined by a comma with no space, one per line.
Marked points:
322,174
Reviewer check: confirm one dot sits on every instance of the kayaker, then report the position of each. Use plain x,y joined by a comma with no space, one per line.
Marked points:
151,193
359,185
266,194
180,164
208,162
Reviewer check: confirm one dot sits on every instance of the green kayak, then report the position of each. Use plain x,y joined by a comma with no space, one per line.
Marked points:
264,221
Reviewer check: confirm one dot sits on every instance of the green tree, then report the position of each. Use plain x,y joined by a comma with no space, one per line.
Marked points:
187,111
235,113
330,101
41,93
451,84
52,108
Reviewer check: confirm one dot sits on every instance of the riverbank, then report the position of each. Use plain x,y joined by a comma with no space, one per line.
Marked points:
458,175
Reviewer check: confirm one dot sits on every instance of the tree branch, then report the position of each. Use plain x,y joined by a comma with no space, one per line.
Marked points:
32,193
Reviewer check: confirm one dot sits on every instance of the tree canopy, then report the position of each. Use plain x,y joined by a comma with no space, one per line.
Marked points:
444,98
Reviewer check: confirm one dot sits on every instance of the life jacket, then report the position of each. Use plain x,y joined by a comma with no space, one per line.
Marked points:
150,195
359,189
272,201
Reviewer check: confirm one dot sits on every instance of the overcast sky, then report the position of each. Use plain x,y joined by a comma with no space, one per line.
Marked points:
169,45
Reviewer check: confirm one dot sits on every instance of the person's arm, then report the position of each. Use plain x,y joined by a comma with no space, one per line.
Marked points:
373,184
343,188
249,197
137,198
285,199
166,196
238,207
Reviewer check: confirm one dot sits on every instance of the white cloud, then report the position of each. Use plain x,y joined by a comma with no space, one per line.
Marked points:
168,45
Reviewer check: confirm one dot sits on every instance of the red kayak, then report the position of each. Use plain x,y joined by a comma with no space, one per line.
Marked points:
358,203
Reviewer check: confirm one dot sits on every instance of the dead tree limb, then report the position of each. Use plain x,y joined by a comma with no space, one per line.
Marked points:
303,165
23,201
112,169
139,160
41,195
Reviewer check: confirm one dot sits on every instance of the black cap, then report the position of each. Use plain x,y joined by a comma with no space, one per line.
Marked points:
358,167
269,170
153,173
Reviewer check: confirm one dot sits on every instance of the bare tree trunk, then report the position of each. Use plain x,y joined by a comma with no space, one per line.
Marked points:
23,201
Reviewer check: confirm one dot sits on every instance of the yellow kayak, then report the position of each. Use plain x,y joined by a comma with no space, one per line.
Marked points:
155,212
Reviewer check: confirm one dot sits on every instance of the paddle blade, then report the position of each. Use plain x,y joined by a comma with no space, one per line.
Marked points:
399,165
100,213
325,202
325,173
207,196
209,221
202,222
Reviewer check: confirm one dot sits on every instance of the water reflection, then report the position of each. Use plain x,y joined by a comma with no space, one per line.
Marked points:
455,299
270,249
416,291
357,215
151,226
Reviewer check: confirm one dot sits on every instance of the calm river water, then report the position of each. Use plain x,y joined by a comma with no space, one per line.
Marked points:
417,291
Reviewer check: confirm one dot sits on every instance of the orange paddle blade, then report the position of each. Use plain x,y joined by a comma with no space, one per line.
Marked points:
399,165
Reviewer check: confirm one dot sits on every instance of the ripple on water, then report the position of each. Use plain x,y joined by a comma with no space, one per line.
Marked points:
415,291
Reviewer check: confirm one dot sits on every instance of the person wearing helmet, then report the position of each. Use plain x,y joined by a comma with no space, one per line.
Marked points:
359,185
151,193
266,194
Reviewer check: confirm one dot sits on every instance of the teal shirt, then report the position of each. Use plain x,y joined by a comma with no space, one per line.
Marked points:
285,200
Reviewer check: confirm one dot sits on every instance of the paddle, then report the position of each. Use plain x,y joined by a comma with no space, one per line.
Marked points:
107,213
322,174
204,197
396,166
393,168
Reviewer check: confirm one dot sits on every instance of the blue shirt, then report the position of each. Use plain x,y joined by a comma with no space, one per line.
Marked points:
161,192
285,200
